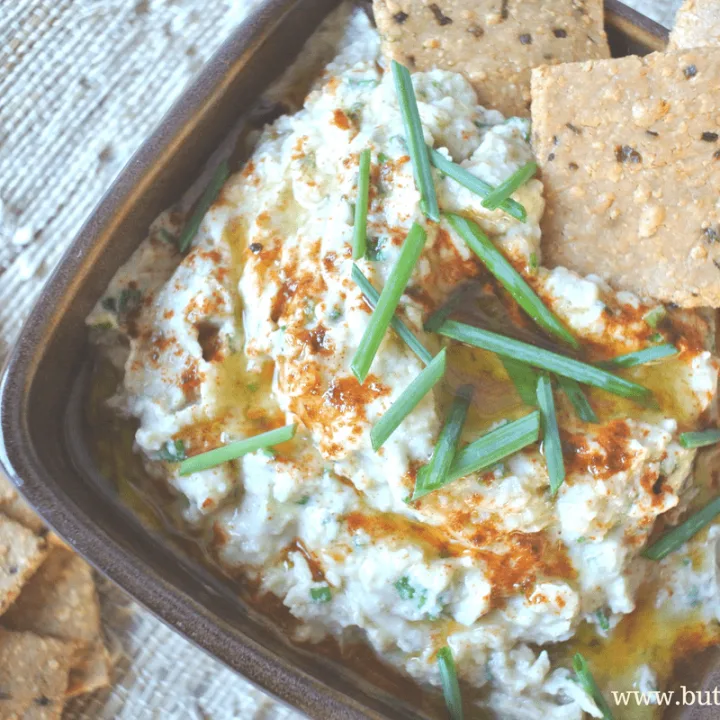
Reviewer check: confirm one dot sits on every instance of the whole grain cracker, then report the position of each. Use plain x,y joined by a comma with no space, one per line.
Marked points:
494,43
630,157
21,554
697,24
17,509
34,674
60,600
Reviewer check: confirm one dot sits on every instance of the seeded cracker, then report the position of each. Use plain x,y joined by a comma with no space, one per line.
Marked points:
630,157
21,553
697,24
33,675
494,43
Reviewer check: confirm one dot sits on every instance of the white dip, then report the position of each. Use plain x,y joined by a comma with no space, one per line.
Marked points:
256,327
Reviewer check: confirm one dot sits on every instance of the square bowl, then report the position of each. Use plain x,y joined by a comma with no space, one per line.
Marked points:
43,447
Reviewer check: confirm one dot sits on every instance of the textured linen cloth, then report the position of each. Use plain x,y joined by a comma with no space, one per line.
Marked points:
82,83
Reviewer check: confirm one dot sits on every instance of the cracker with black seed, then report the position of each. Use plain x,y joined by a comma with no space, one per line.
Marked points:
34,675
494,43
697,24
21,554
61,601
630,157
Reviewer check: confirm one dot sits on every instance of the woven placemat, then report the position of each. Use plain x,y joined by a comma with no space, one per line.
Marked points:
82,82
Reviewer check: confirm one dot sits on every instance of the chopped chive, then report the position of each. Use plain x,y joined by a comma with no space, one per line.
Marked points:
655,316
396,323
578,399
450,684
587,681
433,476
387,302
416,141
203,205
533,261
602,620
408,400
321,594
646,355
439,316
503,191
552,447
656,338
235,450
474,184
701,438
361,207
495,446
510,278
679,535
540,358
523,377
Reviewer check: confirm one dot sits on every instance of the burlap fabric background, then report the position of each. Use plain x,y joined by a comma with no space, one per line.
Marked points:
82,82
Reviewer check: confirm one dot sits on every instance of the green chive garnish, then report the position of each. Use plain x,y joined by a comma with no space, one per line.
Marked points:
203,205
523,377
682,533
396,323
545,359
503,191
408,400
510,278
701,438
585,678
450,685
551,433
439,316
434,475
235,450
646,355
387,302
415,141
361,207
495,446
474,184
577,397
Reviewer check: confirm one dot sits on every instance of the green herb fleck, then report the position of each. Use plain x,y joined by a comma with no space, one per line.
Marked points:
656,338
304,500
602,620
129,300
321,594
166,236
383,158
404,588
375,247
173,451
655,316
533,262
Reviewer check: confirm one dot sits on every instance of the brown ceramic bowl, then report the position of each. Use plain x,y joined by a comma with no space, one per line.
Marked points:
44,449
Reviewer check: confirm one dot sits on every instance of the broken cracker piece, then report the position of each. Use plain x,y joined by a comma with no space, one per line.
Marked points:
17,509
21,554
494,43
34,674
630,157
697,24
92,673
60,600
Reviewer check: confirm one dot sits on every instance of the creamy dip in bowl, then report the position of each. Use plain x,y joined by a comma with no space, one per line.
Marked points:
256,326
